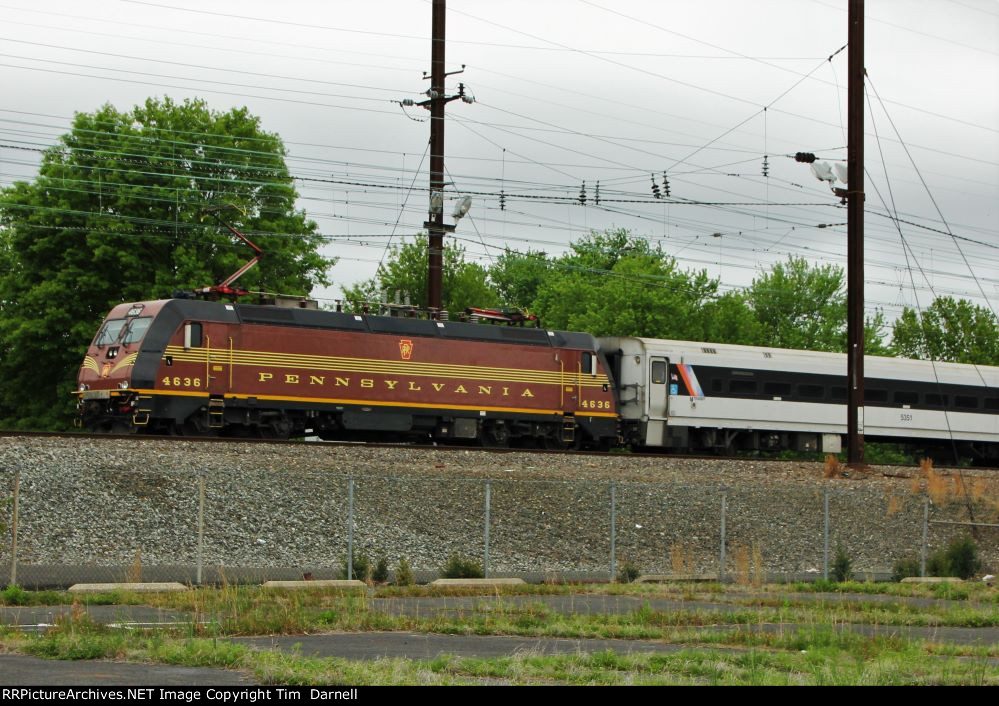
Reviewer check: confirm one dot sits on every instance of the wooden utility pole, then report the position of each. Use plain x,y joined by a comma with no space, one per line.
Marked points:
855,237
435,222
436,100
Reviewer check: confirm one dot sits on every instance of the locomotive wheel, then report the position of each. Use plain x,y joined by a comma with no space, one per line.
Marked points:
495,436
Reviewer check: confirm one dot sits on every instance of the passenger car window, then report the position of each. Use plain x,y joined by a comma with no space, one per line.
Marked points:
742,387
658,372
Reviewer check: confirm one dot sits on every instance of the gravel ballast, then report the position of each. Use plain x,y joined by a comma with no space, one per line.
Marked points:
113,509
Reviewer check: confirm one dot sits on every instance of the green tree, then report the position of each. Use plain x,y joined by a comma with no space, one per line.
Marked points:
950,329
729,319
117,213
517,277
611,284
800,306
404,272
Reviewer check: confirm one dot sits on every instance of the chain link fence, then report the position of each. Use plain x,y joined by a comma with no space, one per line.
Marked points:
213,524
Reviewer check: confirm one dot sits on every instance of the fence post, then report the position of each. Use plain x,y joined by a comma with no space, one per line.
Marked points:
13,527
922,549
350,528
721,557
485,532
201,524
825,533
613,531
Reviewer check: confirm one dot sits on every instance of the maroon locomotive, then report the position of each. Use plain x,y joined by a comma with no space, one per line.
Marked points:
180,366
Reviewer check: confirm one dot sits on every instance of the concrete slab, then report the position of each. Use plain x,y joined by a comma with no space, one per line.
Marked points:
168,586
676,578
480,583
352,585
932,579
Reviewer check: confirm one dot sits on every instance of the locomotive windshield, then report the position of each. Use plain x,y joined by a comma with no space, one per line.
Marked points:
128,330
136,329
109,332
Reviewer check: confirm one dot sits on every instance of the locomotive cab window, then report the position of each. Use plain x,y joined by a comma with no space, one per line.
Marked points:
192,335
658,372
109,332
589,364
136,329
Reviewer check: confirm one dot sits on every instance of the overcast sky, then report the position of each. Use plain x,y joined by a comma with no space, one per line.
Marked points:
566,92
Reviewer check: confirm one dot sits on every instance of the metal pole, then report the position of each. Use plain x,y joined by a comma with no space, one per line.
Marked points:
201,525
613,531
435,224
855,236
350,529
721,558
485,558
926,523
13,528
825,534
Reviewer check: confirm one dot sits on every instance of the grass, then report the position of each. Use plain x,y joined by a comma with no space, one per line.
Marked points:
818,656
17,596
743,645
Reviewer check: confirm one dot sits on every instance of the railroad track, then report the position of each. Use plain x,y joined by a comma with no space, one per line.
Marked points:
423,447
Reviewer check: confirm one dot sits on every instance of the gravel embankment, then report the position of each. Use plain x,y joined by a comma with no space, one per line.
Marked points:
113,504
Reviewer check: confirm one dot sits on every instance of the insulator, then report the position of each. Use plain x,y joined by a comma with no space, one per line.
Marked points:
665,185
596,194
766,166
655,188
806,157
502,201
582,194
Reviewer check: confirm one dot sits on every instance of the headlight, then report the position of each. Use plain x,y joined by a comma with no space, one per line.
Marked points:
123,385
83,387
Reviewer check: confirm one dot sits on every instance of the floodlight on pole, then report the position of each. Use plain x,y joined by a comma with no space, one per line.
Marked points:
461,207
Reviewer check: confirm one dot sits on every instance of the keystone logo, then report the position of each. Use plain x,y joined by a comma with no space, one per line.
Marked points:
406,348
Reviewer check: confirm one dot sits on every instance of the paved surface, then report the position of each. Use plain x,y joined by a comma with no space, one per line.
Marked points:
602,604
48,614
956,636
20,670
372,645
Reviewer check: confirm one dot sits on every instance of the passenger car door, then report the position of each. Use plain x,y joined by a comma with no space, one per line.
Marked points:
658,387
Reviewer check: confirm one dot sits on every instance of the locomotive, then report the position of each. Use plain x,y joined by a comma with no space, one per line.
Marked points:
180,366
191,367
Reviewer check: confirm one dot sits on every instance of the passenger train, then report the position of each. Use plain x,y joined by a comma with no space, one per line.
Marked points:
189,367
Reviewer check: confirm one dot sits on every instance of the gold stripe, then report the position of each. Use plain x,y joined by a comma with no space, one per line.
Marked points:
91,364
379,403
370,365
127,360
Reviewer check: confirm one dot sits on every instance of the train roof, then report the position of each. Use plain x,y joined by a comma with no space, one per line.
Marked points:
193,309
731,354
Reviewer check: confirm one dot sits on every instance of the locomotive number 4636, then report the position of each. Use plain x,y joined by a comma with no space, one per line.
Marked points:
181,382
